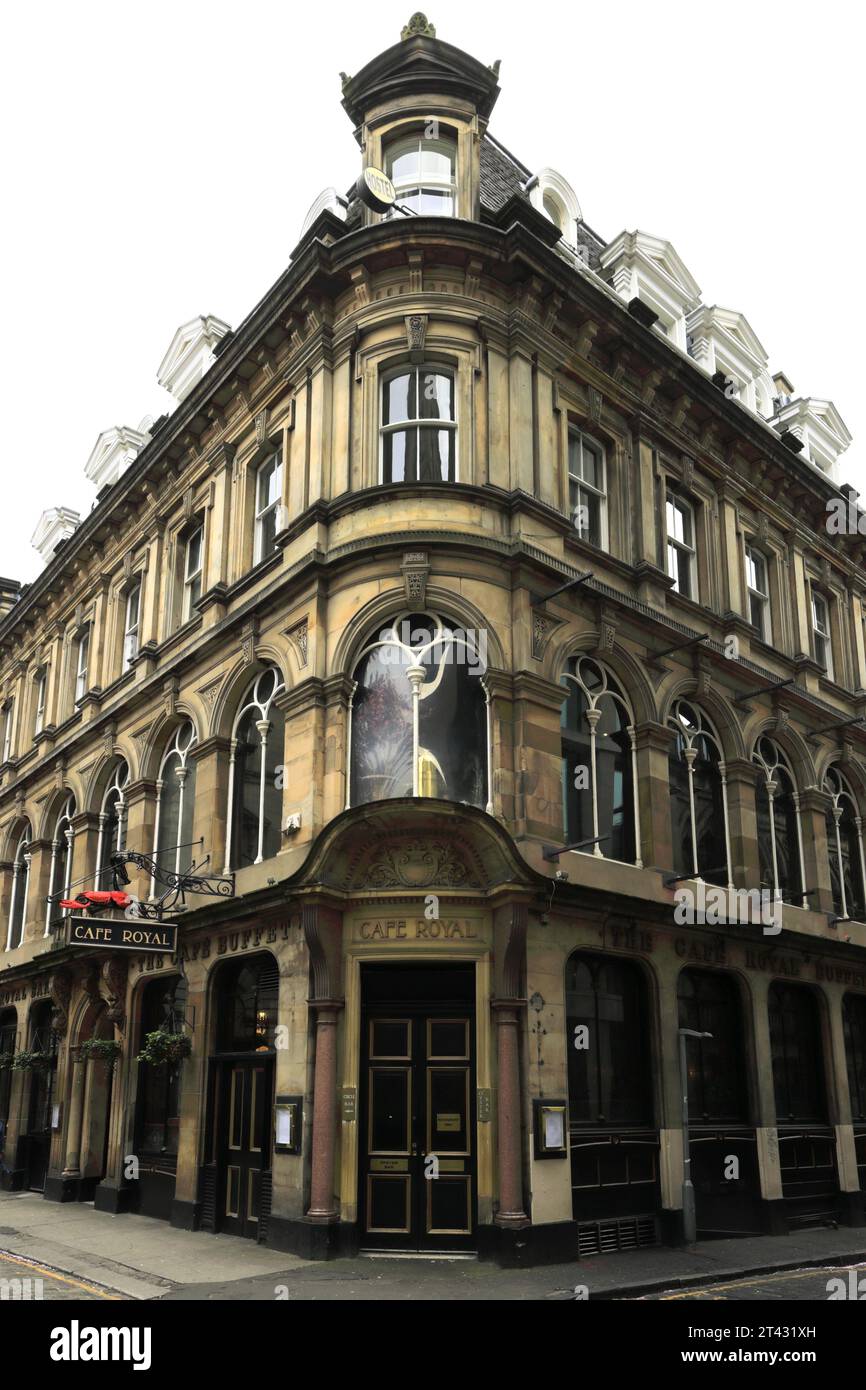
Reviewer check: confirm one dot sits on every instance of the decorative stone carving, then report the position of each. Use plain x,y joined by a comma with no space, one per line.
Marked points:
298,636
418,27
416,331
688,470
417,863
249,634
415,570
209,693
112,989
263,420
596,401
60,992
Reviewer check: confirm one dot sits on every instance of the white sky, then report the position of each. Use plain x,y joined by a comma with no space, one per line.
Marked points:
160,159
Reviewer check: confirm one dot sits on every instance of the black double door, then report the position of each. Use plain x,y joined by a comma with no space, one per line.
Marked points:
417,1175
39,1126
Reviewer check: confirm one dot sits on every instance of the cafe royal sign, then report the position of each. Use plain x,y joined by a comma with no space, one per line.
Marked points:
121,935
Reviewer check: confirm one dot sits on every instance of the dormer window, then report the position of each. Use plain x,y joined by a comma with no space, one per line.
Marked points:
423,172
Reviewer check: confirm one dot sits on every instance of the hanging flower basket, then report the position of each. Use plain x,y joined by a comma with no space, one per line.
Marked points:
100,1050
6,1060
26,1061
164,1049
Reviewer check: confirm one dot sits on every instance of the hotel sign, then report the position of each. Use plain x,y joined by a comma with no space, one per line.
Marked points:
124,935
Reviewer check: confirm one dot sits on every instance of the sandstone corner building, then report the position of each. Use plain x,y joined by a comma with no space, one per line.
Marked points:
475,599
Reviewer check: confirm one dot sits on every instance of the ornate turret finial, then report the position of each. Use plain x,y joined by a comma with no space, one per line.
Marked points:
345,79
418,27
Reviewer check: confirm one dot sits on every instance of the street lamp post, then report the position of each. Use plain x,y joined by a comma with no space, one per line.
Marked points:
689,1220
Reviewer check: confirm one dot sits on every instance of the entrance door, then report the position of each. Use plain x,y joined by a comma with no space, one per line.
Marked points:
244,1089
417,1161
39,1127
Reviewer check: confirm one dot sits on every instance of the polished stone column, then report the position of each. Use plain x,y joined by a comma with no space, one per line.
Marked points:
323,1207
506,1013
72,1165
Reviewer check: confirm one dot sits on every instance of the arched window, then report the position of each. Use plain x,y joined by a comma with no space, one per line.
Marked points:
795,1043
608,1042
255,796
60,872
599,769
419,719
854,1021
710,1003
845,848
175,800
699,798
247,1005
20,890
422,171
112,815
780,835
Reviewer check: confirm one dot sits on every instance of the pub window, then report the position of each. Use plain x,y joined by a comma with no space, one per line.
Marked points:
175,800
599,767
795,1044
82,659
8,1038
112,815
157,1118
587,487
418,432
131,625
609,1077
20,889
822,649
6,739
255,798
758,585
422,171
39,703
854,1024
419,716
269,492
247,1005
681,555
780,837
60,870
845,848
698,797
709,1002
192,572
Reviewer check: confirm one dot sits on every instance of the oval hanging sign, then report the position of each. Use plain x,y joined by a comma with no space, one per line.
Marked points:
376,190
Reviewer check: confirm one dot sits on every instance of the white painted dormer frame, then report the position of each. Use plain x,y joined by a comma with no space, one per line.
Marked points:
645,267
723,340
819,425
553,195
190,354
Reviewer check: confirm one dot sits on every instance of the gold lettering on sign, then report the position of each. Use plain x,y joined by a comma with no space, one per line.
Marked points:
419,929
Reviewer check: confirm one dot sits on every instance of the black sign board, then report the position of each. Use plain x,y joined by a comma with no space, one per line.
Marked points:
113,934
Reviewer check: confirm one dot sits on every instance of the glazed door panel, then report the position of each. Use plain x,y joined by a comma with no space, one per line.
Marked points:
417,1175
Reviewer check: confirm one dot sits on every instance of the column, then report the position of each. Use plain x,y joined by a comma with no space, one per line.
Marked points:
846,1152
767,1135
653,746
506,1015
323,1207
72,1162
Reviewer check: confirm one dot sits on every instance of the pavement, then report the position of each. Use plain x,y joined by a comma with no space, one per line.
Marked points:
137,1257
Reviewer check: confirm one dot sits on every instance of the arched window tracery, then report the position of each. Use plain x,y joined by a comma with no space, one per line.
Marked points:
699,798
420,718
780,833
255,801
599,764
845,848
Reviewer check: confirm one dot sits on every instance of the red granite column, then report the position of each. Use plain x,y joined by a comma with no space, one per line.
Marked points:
506,1012
322,1205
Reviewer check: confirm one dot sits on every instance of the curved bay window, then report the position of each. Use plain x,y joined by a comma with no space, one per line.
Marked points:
418,430
157,1102
599,768
422,170
255,797
710,1003
175,799
699,797
845,848
20,890
795,1040
112,814
780,837
60,871
613,1144
247,1004
419,718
